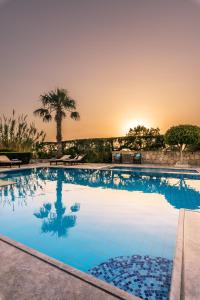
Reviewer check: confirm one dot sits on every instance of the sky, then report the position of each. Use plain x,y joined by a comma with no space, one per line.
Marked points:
125,62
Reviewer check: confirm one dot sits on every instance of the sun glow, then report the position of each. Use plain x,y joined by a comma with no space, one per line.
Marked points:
134,123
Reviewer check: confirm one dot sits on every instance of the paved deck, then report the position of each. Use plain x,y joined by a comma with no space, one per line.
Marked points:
186,275
26,274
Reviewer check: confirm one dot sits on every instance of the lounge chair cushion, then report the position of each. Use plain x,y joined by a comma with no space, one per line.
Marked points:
4,158
79,157
64,157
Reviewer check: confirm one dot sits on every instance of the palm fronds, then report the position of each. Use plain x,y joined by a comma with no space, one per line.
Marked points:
57,104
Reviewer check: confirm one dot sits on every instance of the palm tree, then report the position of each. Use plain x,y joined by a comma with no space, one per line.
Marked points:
57,104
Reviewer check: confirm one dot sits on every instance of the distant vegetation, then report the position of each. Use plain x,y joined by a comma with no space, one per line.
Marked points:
17,134
100,149
139,138
142,138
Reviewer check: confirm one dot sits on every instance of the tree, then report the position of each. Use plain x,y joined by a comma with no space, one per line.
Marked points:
182,136
141,130
143,137
57,104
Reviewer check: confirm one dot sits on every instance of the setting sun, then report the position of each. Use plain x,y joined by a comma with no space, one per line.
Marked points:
134,123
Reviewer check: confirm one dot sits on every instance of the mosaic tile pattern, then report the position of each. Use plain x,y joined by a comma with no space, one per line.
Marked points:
144,276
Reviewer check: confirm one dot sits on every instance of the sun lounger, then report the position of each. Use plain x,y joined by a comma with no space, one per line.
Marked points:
76,160
5,161
59,160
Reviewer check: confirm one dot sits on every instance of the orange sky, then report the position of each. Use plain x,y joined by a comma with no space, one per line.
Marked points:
124,61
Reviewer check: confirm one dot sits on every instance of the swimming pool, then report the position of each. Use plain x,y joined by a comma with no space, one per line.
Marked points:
116,225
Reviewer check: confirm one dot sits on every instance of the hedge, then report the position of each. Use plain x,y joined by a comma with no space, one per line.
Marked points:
100,149
23,156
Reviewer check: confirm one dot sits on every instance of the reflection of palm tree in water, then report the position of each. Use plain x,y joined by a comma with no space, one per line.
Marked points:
57,222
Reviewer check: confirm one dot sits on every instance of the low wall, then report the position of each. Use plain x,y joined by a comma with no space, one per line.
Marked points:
162,157
170,157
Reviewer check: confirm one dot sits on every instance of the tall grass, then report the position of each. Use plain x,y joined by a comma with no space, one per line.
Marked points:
17,134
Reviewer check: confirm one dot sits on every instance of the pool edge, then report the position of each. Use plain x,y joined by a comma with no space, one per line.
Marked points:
176,282
88,279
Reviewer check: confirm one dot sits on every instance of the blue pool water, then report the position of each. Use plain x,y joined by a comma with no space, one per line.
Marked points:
119,226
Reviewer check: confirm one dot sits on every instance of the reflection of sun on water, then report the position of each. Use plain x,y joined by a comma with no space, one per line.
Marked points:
134,123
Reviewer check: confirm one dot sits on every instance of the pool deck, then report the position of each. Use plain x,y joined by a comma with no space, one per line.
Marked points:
186,272
28,274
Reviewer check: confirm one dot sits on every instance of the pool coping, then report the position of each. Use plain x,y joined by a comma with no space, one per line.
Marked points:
176,281
110,167
186,267
100,166
156,169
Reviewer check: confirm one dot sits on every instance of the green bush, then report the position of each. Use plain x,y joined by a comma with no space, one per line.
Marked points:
184,137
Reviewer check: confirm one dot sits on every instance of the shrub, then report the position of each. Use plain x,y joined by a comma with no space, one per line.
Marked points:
183,136
19,135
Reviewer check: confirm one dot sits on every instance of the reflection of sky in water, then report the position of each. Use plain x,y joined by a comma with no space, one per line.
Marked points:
84,217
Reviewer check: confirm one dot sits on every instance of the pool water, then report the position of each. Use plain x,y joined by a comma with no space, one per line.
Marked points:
117,226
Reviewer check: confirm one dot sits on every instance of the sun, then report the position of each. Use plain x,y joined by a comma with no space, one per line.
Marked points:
134,123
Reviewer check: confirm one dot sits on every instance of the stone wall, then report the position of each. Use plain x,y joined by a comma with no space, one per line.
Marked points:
170,157
163,157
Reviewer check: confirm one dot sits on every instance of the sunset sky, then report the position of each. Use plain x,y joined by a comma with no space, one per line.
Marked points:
124,61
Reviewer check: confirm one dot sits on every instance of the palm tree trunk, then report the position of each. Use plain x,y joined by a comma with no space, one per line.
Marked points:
59,132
